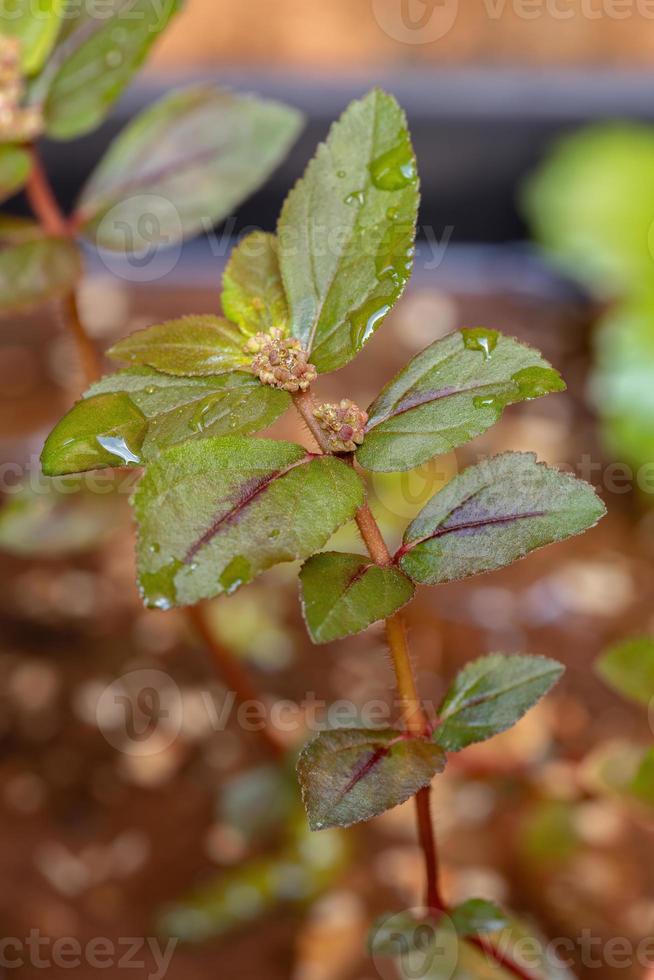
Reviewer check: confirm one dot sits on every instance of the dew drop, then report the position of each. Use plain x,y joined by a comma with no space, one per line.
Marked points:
480,339
396,168
340,174
535,381
118,446
235,574
356,197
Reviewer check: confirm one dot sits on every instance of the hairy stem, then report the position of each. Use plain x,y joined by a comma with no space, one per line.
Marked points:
53,222
233,674
415,719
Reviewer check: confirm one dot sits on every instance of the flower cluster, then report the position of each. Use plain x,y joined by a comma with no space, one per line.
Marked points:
17,124
344,422
280,361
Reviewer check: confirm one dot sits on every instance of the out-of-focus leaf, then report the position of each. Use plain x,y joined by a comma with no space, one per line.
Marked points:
36,24
215,513
343,594
178,409
347,229
591,204
478,915
352,774
189,160
454,390
106,430
295,875
628,667
48,521
547,833
253,292
621,770
36,271
622,387
259,800
490,695
102,44
15,167
492,514
642,785
189,347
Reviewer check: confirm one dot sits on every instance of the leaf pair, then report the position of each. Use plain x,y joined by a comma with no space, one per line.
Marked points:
485,518
349,775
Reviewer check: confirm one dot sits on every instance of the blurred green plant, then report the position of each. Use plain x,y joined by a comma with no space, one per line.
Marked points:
591,206
215,507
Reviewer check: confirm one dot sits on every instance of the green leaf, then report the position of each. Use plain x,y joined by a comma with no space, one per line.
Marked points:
215,513
36,271
107,430
351,774
253,292
628,668
492,514
188,160
102,45
188,347
478,915
15,166
347,231
178,409
343,594
490,695
454,390
591,205
36,23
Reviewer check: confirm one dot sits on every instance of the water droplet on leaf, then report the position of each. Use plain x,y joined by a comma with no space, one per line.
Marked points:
396,168
478,338
235,574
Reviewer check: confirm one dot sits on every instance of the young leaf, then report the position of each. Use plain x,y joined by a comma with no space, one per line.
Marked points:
15,167
628,667
451,392
347,230
103,43
253,292
478,915
188,347
490,695
343,594
214,513
191,158
36,24
35,271
178,409
350,774
492,514
107,430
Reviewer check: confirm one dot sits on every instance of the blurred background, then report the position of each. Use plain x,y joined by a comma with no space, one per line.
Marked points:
533,124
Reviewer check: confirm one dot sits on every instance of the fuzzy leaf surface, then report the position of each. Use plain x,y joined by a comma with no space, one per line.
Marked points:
189,159
178,409
490,695
193,346
253,292
347,231
352,774
106,430
33,272
343,594
215,513
102,44
628,667
15,167
451,392
492,514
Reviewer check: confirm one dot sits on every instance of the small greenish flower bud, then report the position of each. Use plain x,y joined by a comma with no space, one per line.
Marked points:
344,423
17,123
280,361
